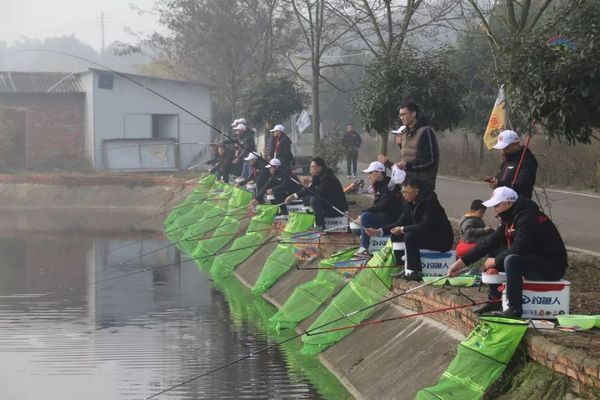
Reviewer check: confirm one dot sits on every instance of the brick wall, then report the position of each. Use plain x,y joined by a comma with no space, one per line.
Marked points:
54,127
581,368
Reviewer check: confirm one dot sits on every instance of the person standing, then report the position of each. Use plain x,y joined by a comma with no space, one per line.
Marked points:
512,152
245,138
325,193
526,245
281,147
419,153
351,142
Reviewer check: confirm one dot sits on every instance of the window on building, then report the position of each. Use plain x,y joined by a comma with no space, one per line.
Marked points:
165,125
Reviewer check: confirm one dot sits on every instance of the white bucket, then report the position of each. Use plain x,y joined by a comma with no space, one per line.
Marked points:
543,299
336,224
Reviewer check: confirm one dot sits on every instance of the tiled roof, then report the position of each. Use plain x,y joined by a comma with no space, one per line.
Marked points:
40,82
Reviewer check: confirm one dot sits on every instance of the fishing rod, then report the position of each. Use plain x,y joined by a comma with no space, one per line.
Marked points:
168,100
157,234
156,267
305,332
179,242
416,314
348,267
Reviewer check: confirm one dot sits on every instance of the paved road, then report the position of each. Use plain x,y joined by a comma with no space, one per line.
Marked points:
577,215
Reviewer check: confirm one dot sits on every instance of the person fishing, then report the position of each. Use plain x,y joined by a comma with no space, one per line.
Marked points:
526,245
325,194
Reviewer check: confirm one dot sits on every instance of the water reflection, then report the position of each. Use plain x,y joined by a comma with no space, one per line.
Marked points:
129,337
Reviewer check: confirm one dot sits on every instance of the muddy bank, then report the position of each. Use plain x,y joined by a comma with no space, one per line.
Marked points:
46,203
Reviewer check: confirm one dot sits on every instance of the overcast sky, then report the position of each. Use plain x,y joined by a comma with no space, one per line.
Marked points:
39,19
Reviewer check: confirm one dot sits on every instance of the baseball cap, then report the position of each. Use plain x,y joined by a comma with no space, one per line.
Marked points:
506,138
239,121
375,166
279,128
240,127
500,195
273,163
399,130
251,156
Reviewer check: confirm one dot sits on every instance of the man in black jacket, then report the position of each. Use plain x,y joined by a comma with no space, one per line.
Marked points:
526,245
281,147
245,137
512,152
351,142
387,205
325,194
423,225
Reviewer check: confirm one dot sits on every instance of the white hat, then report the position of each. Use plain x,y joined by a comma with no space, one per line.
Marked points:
279,128
240,127
273,163
375,166
500,195
239,121
251,156
399,130
506,138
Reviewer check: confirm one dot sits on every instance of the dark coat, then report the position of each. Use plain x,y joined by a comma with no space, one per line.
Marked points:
524,230
426,216
387,201
351,141
281,148
327,188
526,179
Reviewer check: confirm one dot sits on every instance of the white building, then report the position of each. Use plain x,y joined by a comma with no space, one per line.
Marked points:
127,127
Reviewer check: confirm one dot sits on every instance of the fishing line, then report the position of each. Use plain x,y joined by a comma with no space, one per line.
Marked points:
157,234
233,139
306,332
199,258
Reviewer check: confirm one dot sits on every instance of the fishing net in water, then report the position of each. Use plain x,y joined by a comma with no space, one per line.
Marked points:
308,297
367,288
284,256
480,360
199,194
224,264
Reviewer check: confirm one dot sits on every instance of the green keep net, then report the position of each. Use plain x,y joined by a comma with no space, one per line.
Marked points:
221,236
284,255
187,238
362,292
308,297
480,360
244,246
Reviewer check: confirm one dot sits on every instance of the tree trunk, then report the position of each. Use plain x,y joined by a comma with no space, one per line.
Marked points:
316,115
480,149
382,145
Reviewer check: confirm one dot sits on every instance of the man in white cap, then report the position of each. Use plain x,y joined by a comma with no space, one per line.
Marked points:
387,207
526,245
258,173
244,145
281,147
512,152
279,184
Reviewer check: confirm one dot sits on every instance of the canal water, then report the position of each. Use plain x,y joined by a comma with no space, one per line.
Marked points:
86,318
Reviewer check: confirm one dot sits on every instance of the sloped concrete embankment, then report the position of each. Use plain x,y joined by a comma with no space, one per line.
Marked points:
386,361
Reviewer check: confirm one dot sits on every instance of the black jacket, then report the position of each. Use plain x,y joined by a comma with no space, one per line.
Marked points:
387,201
328,188
351,141
281,148
524,230
426,216
526,179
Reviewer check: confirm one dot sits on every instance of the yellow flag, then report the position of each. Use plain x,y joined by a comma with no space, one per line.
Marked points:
497,122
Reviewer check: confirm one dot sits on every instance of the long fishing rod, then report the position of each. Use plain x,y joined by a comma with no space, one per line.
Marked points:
178,242
305,332
168,100
156,267
359,267
157,234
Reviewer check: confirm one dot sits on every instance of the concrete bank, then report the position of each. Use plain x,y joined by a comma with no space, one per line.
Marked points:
388,361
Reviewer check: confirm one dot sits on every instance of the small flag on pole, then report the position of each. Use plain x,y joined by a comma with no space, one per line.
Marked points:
497,121
303,122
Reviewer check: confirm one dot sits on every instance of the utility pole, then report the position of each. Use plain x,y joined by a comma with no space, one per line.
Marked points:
102,30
